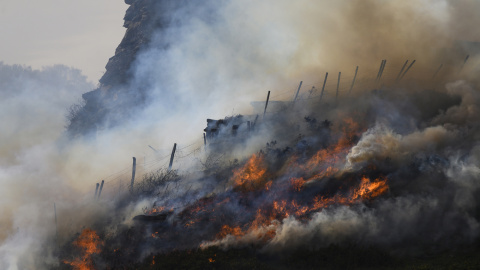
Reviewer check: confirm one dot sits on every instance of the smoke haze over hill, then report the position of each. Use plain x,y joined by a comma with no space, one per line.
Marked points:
212,60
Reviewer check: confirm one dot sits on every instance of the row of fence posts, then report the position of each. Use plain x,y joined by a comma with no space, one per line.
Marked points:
99,187
383,63
401,74
98,191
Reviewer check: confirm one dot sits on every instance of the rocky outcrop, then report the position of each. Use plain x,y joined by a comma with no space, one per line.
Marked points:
115,100
140,19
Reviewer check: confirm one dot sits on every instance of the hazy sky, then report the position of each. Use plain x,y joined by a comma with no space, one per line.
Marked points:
82,34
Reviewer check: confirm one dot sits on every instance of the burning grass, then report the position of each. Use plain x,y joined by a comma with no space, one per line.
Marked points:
252,176
89,244
269,188
297,185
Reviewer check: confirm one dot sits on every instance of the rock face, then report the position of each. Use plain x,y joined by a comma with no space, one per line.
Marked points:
114,99
140,21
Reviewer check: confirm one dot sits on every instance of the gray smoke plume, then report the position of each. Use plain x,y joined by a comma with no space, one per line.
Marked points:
212,61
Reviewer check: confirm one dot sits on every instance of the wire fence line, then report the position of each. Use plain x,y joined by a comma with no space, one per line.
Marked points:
391,72
316,91
121,180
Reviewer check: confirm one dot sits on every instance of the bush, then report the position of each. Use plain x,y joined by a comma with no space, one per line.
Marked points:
156,183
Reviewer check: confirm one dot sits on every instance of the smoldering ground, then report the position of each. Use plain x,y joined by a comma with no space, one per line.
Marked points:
213,61
430,166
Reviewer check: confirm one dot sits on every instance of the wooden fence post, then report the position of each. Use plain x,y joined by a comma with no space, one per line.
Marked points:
464,62
379,71
338,84
100,191
353,82
266,104
401,70
410,66
323,87
383,68
134,168
96,190
298,91
172,156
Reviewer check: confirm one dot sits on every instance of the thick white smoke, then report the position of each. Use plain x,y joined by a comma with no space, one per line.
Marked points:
33,107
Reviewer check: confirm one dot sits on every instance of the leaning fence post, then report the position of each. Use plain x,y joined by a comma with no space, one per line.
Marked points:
383,68
298,91
172,156
134,168
407,69
338,84
379,71
266,104
100,191
401,70
464,62
353,82
96,190
323,87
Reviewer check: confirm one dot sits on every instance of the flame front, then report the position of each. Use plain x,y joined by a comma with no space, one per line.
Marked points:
89,242
265,193
323,164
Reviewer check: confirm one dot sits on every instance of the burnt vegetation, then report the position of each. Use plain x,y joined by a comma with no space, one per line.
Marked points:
228,216
385,177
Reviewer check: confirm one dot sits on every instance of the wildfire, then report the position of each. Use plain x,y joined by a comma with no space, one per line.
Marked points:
279,210
324,163
369,190
350,129
227,230
297,183
252,176
155,210
90,244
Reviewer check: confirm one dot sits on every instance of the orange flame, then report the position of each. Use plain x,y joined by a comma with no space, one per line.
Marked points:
324,163
252,176
297,183
90,244
366,191
279,210
227,230
155,210
369,190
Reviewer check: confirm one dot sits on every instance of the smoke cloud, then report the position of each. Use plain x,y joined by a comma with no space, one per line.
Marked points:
212,61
